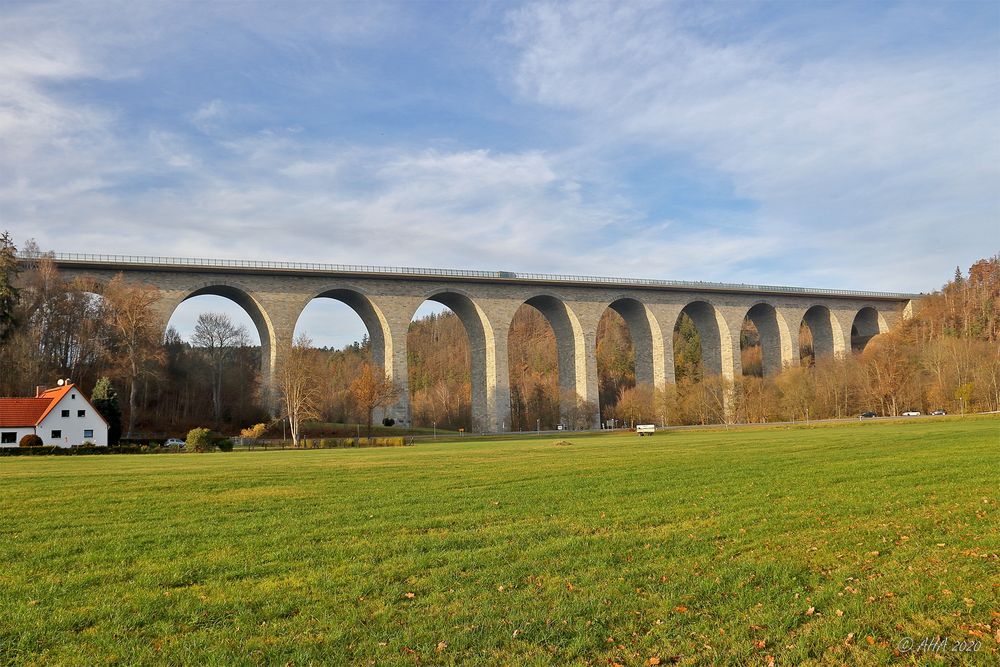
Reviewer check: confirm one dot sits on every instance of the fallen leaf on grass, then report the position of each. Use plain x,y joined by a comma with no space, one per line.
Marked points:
653,661
810,611
409,596
840,612
769,659
759,644
870,640
681,609
442,646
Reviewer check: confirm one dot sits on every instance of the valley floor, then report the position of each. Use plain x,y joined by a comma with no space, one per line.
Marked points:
828,545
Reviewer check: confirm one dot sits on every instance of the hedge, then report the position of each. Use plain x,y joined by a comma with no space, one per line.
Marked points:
331,443
51,450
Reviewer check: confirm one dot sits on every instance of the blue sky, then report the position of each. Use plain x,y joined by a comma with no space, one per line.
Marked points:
844,145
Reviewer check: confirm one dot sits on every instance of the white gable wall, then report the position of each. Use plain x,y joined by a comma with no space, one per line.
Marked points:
73,429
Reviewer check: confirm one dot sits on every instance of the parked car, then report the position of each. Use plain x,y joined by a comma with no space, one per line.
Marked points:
911,413
867,415
938,413
174,442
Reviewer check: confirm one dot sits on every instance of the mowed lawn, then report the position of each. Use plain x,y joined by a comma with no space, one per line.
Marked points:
824,545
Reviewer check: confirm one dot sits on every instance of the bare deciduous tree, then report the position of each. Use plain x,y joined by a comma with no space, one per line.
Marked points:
577,414
299,383
219,337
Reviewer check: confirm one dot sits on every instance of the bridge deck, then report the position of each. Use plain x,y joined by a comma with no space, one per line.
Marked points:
146,262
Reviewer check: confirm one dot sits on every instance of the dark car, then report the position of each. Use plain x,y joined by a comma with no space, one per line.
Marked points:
938,413
867,415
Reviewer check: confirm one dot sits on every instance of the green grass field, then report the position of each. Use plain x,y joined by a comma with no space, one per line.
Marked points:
806,546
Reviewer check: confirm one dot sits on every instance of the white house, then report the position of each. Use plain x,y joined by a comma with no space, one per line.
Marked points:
61,416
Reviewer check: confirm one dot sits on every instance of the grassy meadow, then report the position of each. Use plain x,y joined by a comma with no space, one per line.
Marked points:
824,546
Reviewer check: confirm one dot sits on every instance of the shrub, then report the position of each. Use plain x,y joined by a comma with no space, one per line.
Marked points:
224,444
388,421
256,431
31,440
200,440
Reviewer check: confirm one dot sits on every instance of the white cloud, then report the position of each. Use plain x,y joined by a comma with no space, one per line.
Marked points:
209,114
845,155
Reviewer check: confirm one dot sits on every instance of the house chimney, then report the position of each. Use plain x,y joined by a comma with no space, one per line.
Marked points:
38,390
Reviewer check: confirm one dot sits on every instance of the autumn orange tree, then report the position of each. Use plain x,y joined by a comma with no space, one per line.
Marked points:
637,405
137,347
372,389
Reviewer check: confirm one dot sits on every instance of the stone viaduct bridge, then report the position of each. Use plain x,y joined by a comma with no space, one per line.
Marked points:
275,293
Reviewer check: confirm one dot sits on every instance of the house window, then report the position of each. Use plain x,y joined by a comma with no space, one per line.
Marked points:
65,413
88,433
72,396
8,437
56,434
81,413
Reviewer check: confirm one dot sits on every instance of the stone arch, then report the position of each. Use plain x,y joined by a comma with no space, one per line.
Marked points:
251,305
717,355
827,336
775,339
482,352
575,378
370,314
647,340
868,323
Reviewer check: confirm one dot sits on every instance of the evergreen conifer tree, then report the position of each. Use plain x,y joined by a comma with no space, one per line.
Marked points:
105,399
9,294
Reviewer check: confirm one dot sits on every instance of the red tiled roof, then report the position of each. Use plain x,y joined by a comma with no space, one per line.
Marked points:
23,411
30,411
54,396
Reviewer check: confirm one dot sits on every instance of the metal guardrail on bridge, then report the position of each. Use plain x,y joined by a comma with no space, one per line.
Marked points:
149,260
